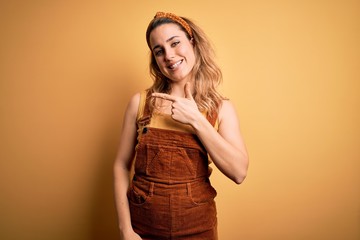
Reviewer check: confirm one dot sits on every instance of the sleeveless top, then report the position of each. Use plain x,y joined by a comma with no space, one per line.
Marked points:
162,120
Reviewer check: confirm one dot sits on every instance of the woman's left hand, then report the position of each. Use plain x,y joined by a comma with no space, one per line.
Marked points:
183,109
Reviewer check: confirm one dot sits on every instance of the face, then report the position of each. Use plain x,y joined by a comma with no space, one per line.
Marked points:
173,51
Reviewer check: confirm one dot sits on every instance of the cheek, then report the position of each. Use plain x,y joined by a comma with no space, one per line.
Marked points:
187,52
158,62
191,56
161,66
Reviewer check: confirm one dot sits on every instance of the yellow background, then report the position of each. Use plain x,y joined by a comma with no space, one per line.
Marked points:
292,69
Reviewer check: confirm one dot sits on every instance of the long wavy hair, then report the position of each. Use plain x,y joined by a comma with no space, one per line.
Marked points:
206,72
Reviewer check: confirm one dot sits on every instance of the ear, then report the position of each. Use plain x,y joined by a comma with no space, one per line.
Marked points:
192,41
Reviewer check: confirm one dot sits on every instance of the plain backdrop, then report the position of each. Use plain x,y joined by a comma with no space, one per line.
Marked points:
291,68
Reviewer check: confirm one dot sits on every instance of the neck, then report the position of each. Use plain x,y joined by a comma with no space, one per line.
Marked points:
177,88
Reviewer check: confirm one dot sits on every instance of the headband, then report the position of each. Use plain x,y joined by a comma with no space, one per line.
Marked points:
176,19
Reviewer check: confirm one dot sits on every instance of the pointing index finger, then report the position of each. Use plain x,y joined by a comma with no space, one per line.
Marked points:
164,96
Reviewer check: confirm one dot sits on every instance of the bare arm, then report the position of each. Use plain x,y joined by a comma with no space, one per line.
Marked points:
122,167
225,146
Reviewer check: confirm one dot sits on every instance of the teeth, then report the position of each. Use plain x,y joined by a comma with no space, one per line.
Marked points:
175,65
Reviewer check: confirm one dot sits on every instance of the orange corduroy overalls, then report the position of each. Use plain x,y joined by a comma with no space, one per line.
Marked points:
170,195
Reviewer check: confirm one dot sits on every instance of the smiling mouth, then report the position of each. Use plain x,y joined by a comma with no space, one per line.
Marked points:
175,65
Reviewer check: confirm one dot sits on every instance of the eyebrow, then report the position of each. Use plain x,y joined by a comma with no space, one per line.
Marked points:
157,46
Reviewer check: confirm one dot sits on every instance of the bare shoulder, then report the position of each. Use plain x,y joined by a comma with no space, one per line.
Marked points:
133,105
135,100
227,110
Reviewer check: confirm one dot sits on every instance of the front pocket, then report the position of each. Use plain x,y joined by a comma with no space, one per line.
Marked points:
169,162
137,196
201,213
202,193
156,160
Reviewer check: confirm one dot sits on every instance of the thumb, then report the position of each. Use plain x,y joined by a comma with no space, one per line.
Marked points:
187,89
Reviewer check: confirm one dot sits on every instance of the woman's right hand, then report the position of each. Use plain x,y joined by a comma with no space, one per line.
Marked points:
131,236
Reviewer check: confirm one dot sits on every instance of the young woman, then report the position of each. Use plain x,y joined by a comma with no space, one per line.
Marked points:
170,131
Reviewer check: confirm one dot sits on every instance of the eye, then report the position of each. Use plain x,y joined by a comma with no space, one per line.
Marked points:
158,52
175,43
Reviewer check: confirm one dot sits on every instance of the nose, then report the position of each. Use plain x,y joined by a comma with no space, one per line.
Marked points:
169,54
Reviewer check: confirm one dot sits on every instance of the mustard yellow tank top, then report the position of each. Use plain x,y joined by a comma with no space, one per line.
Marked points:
164,121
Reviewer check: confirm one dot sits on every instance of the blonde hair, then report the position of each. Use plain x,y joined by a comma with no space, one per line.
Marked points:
206,72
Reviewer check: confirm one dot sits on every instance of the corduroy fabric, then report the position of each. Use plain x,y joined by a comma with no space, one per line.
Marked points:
170,195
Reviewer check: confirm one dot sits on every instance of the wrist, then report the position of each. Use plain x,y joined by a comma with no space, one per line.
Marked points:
125,230
198,121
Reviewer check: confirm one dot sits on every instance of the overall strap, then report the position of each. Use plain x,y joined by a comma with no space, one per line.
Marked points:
145,116
212,117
